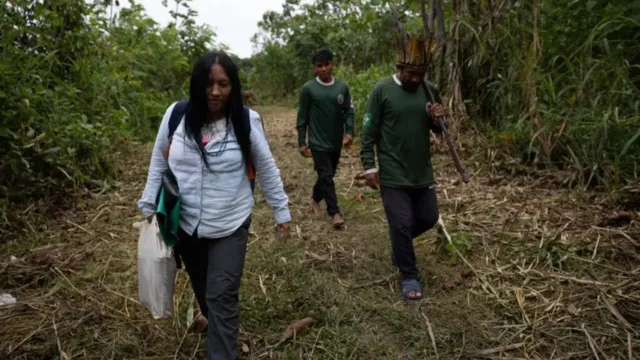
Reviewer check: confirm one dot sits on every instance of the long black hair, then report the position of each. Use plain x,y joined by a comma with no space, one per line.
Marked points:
197,110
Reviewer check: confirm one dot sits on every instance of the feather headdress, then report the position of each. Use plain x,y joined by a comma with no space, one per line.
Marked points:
413,50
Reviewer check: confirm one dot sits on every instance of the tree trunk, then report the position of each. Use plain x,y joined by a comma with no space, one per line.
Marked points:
454,89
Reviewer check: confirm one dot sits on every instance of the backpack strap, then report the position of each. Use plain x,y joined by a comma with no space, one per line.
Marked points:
247,119
176,116
251,170
178,111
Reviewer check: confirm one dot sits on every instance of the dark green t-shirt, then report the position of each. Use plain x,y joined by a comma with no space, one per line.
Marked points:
397,124
325,111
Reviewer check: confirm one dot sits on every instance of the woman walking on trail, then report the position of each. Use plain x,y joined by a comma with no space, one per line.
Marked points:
210,154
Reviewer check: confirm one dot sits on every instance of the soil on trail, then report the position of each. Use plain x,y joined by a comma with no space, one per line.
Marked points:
524,270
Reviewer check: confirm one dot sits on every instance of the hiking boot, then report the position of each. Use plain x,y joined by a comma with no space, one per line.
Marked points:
338,221
315,208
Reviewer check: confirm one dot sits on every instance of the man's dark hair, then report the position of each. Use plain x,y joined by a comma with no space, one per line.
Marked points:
322,56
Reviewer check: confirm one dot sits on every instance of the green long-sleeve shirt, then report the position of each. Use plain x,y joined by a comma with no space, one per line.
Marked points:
326,112
397,125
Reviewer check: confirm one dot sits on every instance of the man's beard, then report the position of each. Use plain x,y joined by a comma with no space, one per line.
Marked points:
410,86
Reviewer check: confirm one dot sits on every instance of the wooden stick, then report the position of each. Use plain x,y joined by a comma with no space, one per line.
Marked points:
63,355
595,249
184,336
456,159
350,186
614,311
497,350
117,293
79,227
197,347
375,282
591,342
97,216
433,339
568,278
30,336
621,233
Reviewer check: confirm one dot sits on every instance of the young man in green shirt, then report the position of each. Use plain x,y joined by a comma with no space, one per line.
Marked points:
326,112
398,121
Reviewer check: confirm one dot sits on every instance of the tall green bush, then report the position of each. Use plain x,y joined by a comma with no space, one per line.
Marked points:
76,84
557,79
360,85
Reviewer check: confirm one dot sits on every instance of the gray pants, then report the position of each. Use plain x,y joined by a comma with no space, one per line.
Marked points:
215,269
410,213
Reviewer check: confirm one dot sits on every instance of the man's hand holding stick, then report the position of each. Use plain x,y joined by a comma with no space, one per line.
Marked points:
437,111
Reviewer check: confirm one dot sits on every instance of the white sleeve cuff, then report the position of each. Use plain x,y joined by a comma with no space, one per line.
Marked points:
147,209
370,171
282,215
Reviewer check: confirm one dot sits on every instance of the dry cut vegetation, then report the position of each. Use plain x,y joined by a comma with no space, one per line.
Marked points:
520,268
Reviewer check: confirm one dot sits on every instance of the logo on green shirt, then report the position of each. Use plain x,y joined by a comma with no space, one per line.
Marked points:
366,120
340,99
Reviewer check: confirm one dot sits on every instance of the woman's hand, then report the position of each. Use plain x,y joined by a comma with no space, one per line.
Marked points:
282,231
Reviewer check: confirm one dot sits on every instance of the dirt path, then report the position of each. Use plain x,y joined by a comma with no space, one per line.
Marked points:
536,275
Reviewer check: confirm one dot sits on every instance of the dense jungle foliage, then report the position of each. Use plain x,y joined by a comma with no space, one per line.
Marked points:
78,82
80,78
557,79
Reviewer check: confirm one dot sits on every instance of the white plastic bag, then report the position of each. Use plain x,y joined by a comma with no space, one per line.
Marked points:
156,270
7,299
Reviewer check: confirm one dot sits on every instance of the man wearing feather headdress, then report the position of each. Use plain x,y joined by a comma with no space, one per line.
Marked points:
400,114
